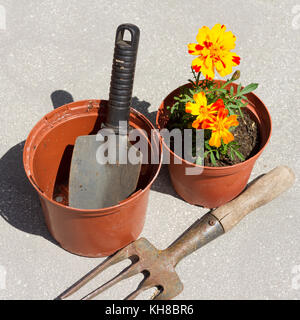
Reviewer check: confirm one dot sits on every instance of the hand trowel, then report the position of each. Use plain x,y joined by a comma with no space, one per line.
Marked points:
102,171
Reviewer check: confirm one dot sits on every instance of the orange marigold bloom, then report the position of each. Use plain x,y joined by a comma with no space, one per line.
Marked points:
213,51
220,128
203,111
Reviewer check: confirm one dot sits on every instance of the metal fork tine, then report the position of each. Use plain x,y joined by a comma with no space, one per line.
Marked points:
128,272
119,256
139,290
163,295
157,296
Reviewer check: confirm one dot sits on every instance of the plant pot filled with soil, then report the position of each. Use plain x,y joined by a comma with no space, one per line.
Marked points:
224,127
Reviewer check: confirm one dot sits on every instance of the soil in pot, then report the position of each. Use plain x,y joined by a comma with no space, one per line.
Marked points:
246,135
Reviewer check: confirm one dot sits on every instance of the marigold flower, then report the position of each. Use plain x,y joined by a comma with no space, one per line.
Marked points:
203,111
220,128
213,51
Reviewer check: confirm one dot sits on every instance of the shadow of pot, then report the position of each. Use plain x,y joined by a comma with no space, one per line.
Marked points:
47,159
213,186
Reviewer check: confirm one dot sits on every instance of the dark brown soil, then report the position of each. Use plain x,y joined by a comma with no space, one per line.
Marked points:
246,134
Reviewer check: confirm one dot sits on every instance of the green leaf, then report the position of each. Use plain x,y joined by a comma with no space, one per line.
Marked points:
234,144
213,159
239,103
205,154
207,146
241,113
250,87
239,155
220,90
231,154
224,148
226,83
192,82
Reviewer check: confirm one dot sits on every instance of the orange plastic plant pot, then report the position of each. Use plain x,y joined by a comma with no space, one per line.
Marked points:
47,158
214,186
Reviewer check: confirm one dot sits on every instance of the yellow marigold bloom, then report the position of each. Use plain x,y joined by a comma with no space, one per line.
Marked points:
202,110
220,128
213,51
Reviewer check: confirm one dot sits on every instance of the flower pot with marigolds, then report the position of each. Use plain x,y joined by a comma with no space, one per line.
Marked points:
235,124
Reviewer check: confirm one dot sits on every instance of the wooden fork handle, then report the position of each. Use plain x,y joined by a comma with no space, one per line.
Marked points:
259,192
213,224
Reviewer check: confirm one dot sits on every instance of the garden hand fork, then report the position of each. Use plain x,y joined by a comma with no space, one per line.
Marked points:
158,266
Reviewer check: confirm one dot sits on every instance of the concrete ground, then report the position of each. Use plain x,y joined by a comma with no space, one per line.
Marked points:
47,46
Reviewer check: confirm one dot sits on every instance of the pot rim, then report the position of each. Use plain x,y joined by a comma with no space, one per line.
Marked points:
235,166
73,106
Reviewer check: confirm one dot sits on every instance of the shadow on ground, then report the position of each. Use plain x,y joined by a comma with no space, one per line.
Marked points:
60,97
162,183
19,202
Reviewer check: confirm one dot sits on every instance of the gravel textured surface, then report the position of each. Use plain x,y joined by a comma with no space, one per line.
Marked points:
68,45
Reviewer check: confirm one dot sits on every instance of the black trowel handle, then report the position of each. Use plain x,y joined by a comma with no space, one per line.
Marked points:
122,78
